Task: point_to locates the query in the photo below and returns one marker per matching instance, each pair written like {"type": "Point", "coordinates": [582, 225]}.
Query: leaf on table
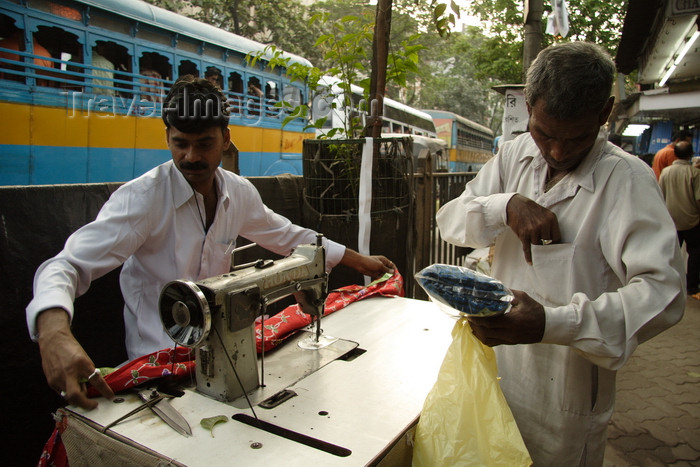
{"type": "Point", "coordinates": [209, 422]}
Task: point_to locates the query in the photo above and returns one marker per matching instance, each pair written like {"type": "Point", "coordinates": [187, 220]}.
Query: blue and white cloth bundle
{"type": "Point", "coordinates": [464, 291]}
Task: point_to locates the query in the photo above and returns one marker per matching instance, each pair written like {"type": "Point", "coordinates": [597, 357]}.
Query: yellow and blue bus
{"type": "Point", "coordinates": [470, 144]}
{"type": "Point", "coordinates": [81, 85]}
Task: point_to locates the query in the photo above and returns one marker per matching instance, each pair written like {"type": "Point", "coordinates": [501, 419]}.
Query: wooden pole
{"type": "Point", "coordinates": [380, 53]}
{"type": "Point", "coordinates": [533, 33]}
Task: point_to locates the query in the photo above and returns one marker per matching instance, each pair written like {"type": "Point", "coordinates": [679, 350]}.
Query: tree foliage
{"type": "Point", "coordinates": [282, 23]}
{"type": "Point", "coordinates": [429, 67]}
{"type": "Point", "coordinates": [451, 82]}
{"type": "Point", "coordinates": [501, 54]}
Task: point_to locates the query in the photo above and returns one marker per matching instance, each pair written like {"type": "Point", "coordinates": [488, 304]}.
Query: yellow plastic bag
{"type": "Point", "coordinates": [465, 419]}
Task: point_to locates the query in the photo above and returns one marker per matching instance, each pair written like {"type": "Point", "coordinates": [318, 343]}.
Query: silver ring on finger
{"type": "Point", "coordinates": [93, 374]}
{"type": "Point", "coordinates": [63, 394]}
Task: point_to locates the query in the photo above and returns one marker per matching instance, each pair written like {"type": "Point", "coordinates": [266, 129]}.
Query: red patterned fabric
{"type": "Point", "coordinates": [279, 327]}
{"type": "Point", "coordinates": [179, 361]}
{"type": "Point", "coordinates": [54, 453]}
{"type": "Point", "coordinates": [176, 362]}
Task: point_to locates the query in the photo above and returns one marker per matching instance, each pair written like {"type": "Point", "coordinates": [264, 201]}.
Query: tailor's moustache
{"type": "Point", "coordinates": [193, 165]}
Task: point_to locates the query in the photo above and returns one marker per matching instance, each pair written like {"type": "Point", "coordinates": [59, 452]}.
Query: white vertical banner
{"type": "Point", "coordinates": [365, 200]}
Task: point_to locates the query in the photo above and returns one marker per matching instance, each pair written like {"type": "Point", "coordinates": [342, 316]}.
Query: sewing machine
{"type": "Point", "coordinates": [216, 316]}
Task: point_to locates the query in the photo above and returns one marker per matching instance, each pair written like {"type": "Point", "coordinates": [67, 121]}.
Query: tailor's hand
{"type": "Point", "coordinates": [523, 324]}
{"type": "Point", "coordinates": [64, 361]}
{"type": "Point", "coordinates": [532, 223]}
{"type": "Point", "coordinates": [372, 266]}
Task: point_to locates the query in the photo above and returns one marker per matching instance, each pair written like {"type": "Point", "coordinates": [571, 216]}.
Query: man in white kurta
{"type": "Point", "coordinates": [601, 276]}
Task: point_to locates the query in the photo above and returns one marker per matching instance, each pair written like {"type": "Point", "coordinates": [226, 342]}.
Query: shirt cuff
{"type": "Point", "coordinates": [496, 204]}
{"type": "Point", "coordinates": [43, 303]}
{"type": "Point", "coordinates": [334, 253]}
{"type": "Point", "coordinates": [559, 325]}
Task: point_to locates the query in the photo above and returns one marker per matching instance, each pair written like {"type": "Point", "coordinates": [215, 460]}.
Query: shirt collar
{"type": "Point", "coordinates": [583, 174]}
{"type": "Point", "coordinates": [681, 162]}
{"type": "Point", "coordinates": [222, 188]}
{"type": "Point", "coordinates": [182, 190]}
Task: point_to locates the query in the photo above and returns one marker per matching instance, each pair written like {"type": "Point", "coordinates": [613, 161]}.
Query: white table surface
{"type": "Point", "coordinates": [362, 405]}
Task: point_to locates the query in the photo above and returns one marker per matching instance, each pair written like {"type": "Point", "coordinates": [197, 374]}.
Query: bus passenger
{"type": "Point", "coordinates": [174, 222]}
{"type": "Point", "coordinates": [102, 77]}
{"type": "Point", "coordinates": [151, 87]}
{"type": "Point", "coordinates": [213, 75]}
{"type": "Point", "coordinates": [15, 41]}
{"type": "Point", "coordinates": [253, 90]}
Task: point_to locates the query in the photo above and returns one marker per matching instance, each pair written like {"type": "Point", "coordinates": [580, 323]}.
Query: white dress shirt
{"type": "Point", "coordinates": [615, 280]}
{"type": "Point", "coordinates": [154, 226]}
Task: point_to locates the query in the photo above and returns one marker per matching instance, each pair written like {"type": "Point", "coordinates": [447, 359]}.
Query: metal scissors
{"type": "Point", "coordinates": [158, 403]}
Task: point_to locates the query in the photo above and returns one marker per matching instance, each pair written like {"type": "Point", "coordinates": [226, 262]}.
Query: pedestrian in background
{"type": "Point", "coordinates": [680, 184]}
{"type": "Point", "coordinates": [666, 155]}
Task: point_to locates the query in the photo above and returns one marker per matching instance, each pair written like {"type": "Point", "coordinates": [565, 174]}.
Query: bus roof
{"type": "Point", "coordinates": [433, 144]}
{"type": "Point", "coordinates": [459, 118]}
{"type": "Point", "coordinates": [141, 11]}
{"type": "Point", "coordinates": [334, 81]}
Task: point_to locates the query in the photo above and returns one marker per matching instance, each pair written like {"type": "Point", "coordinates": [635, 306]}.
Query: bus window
{"type": "Point", "coordinates": [271, 90]}
{"type": "Point", "coordinates": [213, 75]}
{"type": "Point", "coordinates": [255, 96]}
{"type": "Point", "coordinates": [235, 92]}
{"type": "Point", "coordinates": [102, 70]}
{"type": "Point", "coordinates": [154, 68]}
{"type": "Point", "coordinates": [66, 46]}
{"type": "Point", "coordinates": [187, 67]}
{"type": "Point", "coordinates": [235, 83]}
{"type": "Point", "coordinates": [117, 56]}
{"type": "Point", "coordinates": [295, 97]}
{"type": "Point", "coordinates": [271, 98]}
{"type": "Point", "coordinates": [11, 38]}
{"type": "Point", "coordinates": [254, 88]}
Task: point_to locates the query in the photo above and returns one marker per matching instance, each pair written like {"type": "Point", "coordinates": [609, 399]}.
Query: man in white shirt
{"type": "Point", "coordinates": [178, 221]}
{"type": "Point", "coordinates": [103, 73]}
{"type": "Point", "coordinates": [680, 185]}
{"type": "Point", "coordinates": [583, 238]}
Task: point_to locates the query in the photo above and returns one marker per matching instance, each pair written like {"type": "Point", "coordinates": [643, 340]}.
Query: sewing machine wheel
{"type": "Point", "coordinates": [184, 312]}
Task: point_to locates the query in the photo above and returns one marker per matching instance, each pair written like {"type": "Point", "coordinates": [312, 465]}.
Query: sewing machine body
{"type": "Point", "coordinates": [217, 315]}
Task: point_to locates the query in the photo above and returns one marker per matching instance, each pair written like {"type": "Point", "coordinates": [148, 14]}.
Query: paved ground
{"type": "Point", "coordinates": [657, 414]}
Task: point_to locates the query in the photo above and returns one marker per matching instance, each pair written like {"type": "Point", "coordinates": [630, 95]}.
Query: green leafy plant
{"type": "Point", "coordinates": [347, 46]}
